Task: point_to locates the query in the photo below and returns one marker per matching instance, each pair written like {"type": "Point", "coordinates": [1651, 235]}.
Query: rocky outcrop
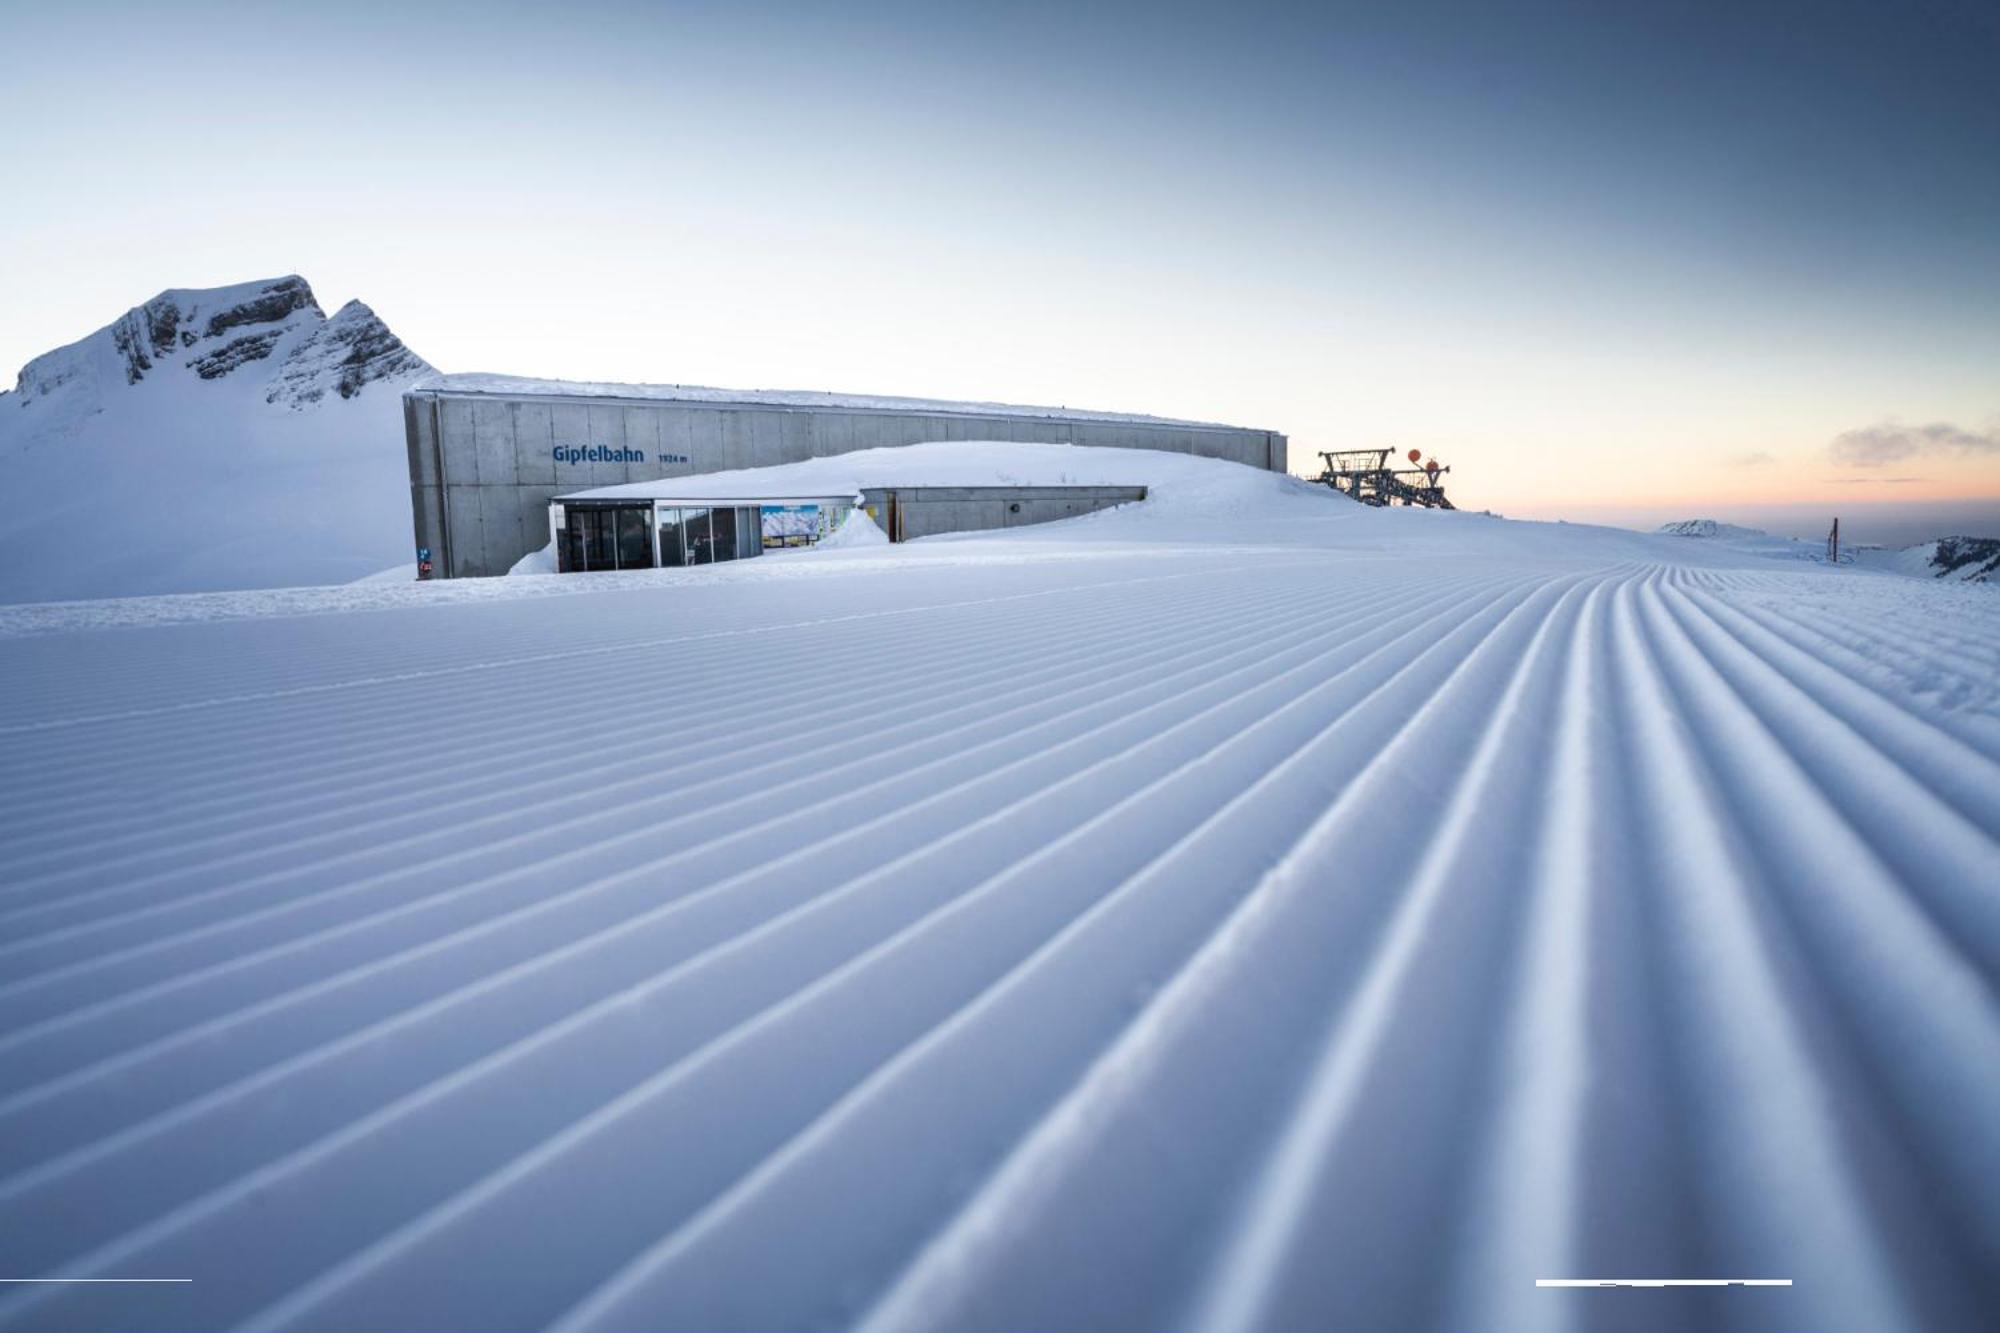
{"type": "Point", "coordinates": [1969, 559]}
{"type": "Point", "coordinates": [145, 332]}
{"type": "Point", "coordinates": [173, 320]}
{"type": "Point", "coordinates": [343, 356]}
{"type": "Point", "coordinates": [273, 303]}
{"type": "Point", "coordinates": [213, 365]}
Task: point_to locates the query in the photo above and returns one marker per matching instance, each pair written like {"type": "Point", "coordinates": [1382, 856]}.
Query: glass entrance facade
{"type": "Point", "coordinates": [603, 535]}
{"type": "Point", "coordinates": [702, 535]}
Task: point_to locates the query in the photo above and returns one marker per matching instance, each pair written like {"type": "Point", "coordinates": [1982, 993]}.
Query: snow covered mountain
{"type": "Point", "coordinates": [1708, 527]}
{"type": "Point", "coordinates": [1954, 559]}
{"type": "Point", "coordinates": [230, 437]}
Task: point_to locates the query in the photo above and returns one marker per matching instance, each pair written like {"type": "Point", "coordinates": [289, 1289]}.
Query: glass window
{"type": "Point", "coordinates": [749, 532]}
{"type": "Point", "coordinates": [599, 539]}
{"type": "Point", "coordinates": [635, 542]}
{"type": "Point", "coordinates": [569, 544]}
{"type": "Point", "coordinates": [670, 539]}
{"type": "Point", "coordinates": [724, 533]}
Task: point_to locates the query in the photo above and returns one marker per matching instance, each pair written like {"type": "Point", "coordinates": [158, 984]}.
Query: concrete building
{"type": "Point", "coordinates": [489, 453]}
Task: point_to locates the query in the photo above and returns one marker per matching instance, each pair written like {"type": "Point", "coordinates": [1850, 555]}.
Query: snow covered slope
{"type": "Point", "coordinates": [233, 437]}
{"type": "Point", "coordinates": [1242, 910]}
{"type": "Point", "coordinates": [1953, 559]}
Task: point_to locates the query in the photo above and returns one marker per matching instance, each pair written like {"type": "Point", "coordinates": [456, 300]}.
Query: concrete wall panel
{"type": "Point", "coordinates": [419, 442]}
{"type": "Point", "coordinates": [466, 540]}
{"type": "Point", "coordinates": [767, 438]}
{"type": "Point", "coordinates": [833, 433]}
{"type": "Point", "coordinates": [426, 524]}
{"type": "Point", "coordinates": [705, 449]}
{"type": "Point", "coordinates": [461, 460]}
{"type": "Point", "coordinates": [676, 443]}
{"type": "Point", "coordinates": [795, 437]}
{"type": "Point", "coordinates": [932, 510]}
{"type": "Point", "coordinates": [494, 458]}
{"type": "Point", "coordinates": [534, 444]}
{"type": "Point", "coordinates": [569, 427]}
{"type": "Point", "coordinates": [642, 432]}
{"type": "Point", "coordinates": [607, 431]}
{"type": "Point", "coordinates": [737, 446]}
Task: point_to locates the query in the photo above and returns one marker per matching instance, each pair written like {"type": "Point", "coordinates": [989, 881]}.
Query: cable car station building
{"type": "Point", "coordinates": [489, 454]}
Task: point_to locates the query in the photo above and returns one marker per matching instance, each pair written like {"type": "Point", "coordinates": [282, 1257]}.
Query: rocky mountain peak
{"type": "Point", "coordinates": [178, 320]}
{"type": "Point", "coordinates": [272, 331]}
{"type": "Point", "coordinates": [344, 355]}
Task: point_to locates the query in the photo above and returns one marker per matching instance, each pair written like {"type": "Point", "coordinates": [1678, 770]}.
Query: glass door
{"type": "Point", "coordinates": [635, 540]}
{"type": "Point", "coordinates": [700, 542]}
{"type": "Point", "coordinates": [671, 552]}
{"type": "Point", "coordinates": [722, 533]}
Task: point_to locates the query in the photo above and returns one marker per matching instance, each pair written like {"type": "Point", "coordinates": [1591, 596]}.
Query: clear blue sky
{"type": "Point", "coordinates": [1591, 254]}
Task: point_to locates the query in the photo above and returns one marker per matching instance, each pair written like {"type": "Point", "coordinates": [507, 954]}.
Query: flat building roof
{"type": "Point", "coordinates": [516, 386]}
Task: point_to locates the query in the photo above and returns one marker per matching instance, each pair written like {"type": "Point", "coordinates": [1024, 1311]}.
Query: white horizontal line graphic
{"type": "Point", "coordinates": [1663, 1281]}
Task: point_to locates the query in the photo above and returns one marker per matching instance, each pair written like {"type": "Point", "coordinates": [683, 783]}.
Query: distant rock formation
{"type": "Point", "coordinates": [1967, 559]}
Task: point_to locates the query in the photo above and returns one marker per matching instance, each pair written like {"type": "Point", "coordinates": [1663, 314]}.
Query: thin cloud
{"type": "Point", "coordinates": [1874, 481]}
{"type": "Point", "coordinates": [1890, 441]}
{"type": "Point", "coordinates": [1755, 458]}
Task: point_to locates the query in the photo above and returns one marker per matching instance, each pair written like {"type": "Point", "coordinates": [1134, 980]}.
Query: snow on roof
{"type": "Point", "coordinates": [954, 463]}
{"type": "Point", "coordinates": [516, 385]}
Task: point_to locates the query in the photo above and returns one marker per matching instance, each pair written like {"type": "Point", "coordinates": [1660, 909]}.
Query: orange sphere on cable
{"type": "Point", "coordinates": [1415, 454]}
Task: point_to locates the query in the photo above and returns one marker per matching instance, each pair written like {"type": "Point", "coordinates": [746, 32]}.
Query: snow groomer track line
{"type": "Point", "coordinates": [1241, 910]}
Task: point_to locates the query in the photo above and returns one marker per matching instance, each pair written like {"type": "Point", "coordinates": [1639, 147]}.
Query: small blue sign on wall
{"type": "Point", "coordinates": [423, 553]}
